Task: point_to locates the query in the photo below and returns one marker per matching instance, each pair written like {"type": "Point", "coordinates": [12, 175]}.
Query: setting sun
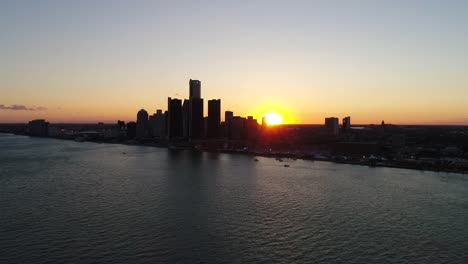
{"type": "Point", "coordinates": [273, 118]}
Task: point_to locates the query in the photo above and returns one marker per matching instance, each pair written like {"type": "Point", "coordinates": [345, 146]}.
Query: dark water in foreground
{"type": "Point", "coordinates": [68, 202]}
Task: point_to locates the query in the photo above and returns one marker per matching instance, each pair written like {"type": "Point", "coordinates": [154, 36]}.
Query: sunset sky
{"type": "Point", "coordinates": [405, 62]}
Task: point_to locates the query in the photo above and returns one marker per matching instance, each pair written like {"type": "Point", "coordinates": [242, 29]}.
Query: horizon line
{"type": "Point", "coordinates": [284, 124]}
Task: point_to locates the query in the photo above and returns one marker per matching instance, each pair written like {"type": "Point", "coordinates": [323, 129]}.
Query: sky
{"type": "Point", "coordinates": [405, 62]}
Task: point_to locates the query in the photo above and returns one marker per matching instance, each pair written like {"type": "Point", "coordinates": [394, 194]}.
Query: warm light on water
{"type": "Point", "coordinates": [68, 202]}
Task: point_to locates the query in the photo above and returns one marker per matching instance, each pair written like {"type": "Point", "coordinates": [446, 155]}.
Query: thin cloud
{"type": "Point", "coordinates": [22, 108]}
{"type": "Point", "coordinates": [40, 108]}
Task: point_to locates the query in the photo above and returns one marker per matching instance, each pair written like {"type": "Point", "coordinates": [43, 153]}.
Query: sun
{"type": "Point", "coordinates": [273, 118]}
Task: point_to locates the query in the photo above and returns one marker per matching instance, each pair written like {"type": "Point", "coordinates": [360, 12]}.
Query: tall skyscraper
{"type": "Point", "coordinates": [166, 122]}
{"type": "Point", "coordinates": [228, 115]}
{"type": "Point", "coordinates": [174, 118]}
{"type": "Point", "coordinates": [196, 127]}
{"type": "Point", "coordinates": [151, 124]}
{"type": "Point", "coordinates": [214, 118]}
{"type": "Point", "coordinates": [346, 124]}
{"type": "Point", "coordinates": [195, 89]}
{"type": "Point", "coordinates": [186, 118]}
{"type": "Point", "coordinates": [331, 125]}
{"type": "Point", "coordinates": [142, 127]}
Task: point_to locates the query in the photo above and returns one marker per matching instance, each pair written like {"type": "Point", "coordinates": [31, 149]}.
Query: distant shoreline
{"type": "Point", "coordinates": [277, 155]}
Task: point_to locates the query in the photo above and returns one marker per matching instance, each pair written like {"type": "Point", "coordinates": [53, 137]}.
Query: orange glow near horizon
{"type": "Point", "coordinates": [136, 55]}
{"type": "Point", "coordinates": [293, 109]}
{"type": "Point", "coordinates": [273, 118]}
{"type": "Point", "coordinates": [91, 112]}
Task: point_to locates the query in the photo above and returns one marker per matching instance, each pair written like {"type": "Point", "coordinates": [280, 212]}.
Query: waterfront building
{"type": "Point", "coordinates": [228, 115]}
{"type": "Point", "coordinates": [346, 124]}
{"type": "Point", "coordinates": [131, 130]}
{"type": "Point", "coordinates": [121, 125]}
{"type": "Point", "coordinates": [331, 126]}
{"type": "Point", "coordinates": [237, 128]}
{"type": "Point", "coordinates": [174, 118]}
{"type": "Point", "coordinates": [186, 118]}
{"type": "Point", "coordinates": [251, 128]}
{"type": "Point", "coordinates": [38, 127]}
{"type": "Point", "coordinates": [205, 126]}
{"type": "Point", "coordinates": [158, 124]}
{"type": "Point", "coordinates": [142, 127]}
{"type": "Point", "coordinates": [214, 118]}
{"type": "Point", "coordinates": [196, 127]}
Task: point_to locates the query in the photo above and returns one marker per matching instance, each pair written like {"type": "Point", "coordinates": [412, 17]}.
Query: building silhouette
{"type": "Point", "coordinates": [214, 118]}
{"type": "Point", "coordinates": [38, 127]}
{"type": "Point", "coordinates": [251, 128]}
{"type": "Point", "coordinates": [187, 121]}
{"type": "Point", "coordinates": [237, 128]}
{"type": "Point", "coordinates": [186, 118]}
{"type": "Point", "coordinates": [120, 125]}
{"type": "Point", "coordinates": [331, 126]}
{"type": "Point", "coordinates": [205, 127]}
{"type": "Point", "coordinates": [228, 115]}
{"type": "Point", "coordinates": [151, 125]}
{"type": "Point", "coordinates": [195, 89]}
{"type": "Point", "coordinates": [166, 121]}
{"type": "Point", "coordinates": [174, 118]}
{"type": "Point", "coordinates": [131, 130]}
{"type": "Point", "coordinates": [196, 123]}
{"type": "Point", "coordinates": [158, 124]}
{"type": "Point", "coordinates": [346, 124]}
{"type": "Point", "coordinates": [142, 124]}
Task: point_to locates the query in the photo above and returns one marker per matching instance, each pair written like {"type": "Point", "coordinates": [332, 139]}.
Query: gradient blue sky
{"type": "Point", "coordinates": [398, 61]}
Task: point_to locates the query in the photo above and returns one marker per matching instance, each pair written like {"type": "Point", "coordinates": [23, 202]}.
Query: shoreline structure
{"type": "Point", "coordinates": [277, 155]}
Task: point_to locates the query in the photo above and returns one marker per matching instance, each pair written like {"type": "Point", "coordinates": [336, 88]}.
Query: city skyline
{"type": "Point", "coordinates": [401, 62]}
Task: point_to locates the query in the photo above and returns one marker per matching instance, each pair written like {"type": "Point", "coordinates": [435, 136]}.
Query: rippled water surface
{"type": "Point", "coordinates": [69, 202]}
